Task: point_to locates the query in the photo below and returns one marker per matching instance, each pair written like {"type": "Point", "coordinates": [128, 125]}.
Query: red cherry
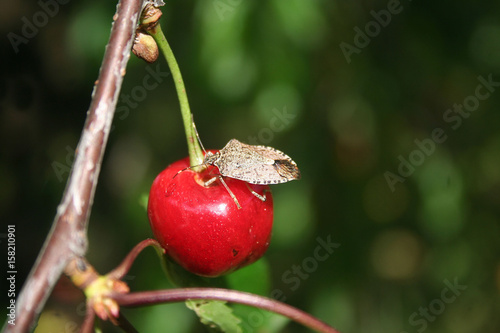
{"type": "Point", "coordinates": [201, 227]}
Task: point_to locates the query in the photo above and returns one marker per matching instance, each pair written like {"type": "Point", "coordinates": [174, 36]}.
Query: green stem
{"type": "Point", "coordinates": [195, 151]}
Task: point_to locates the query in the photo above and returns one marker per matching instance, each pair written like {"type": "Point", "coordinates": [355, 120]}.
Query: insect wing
{"type": "Point", "coordinates": [256, 174]}
{"type": "Point", "coordinates": [271, 153]}
{"type": "Point", "coordinates": [256, 164]}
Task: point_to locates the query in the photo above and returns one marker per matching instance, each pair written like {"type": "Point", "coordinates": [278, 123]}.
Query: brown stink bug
{"type": "Point", "coordinates": [253, 164]}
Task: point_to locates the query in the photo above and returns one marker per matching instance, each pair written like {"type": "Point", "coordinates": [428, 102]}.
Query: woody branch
{"type": "Point", "coordinates": [67, 239]}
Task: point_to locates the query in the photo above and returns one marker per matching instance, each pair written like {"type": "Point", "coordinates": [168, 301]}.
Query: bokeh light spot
{"type": "Point", "coordinates": [397, 254]}
{"type": "Point", "coordinates": [381, 204]}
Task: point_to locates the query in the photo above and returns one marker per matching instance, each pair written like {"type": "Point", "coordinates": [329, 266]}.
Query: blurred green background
{"type": "Point", "coordinates": [274, 73]}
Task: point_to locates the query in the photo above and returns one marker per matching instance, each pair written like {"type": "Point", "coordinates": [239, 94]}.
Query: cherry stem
{"type": "Point", "coordinates": [122, 269]}
{"type": "Point", "coordinates": [195, 151]}
{"type": "Point", "coordinates": [183, 294]}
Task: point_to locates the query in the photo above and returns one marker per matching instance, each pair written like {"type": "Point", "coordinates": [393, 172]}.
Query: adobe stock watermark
{"type": "Point", "coordinates": [420, 319]}
{"type": "Point", "coordinates": [454, 118]}
{"type": "Point", "coordinates": [31, 27]}
{"type": "Point", "coordinates": [279, 121]}
{"type": "Point", "coordinates": [11, 275]}
{"type": "Point", "coordinates": [293, 278]}
{"type": "Point", "coordinates": [225, 8]}
{"type": "Point", "coordinates": [127, 101]}
{"type": "Point", "coordinates": [137, 94]}
{"type": "Point", "coordinates": [372, 29]}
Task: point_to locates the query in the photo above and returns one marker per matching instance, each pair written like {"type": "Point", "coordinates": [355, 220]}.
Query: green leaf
{"type": "Point", "coordinates": [255, 279]}
{"type": "Point", "coordinates": [181, 278]}
{"type": "Point", "coordinates": [216, 315]}
{"type": "Point", "coordinates": [143, 201]}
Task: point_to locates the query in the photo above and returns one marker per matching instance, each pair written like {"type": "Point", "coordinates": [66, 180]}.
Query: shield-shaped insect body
{"type": "Point", "coordinates": [253, 164]}
{"type": "Point", "coordinates": [260, 165]}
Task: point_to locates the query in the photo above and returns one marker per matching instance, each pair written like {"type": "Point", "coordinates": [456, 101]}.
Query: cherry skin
{"type": "Point", "coordinates": [201, 228]}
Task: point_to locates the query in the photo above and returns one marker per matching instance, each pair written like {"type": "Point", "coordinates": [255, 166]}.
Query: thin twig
{"type": "Point", "coordinates": [88, 322]}
{"type": "Point", "coordinates": [122, 269]}
{"type": "Point", "coordinates": [183, 294]}
{"type": "Point", "coordinates": [68, 236]}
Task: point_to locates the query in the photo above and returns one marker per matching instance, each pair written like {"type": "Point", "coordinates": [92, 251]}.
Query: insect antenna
{"type": "Point", "coordinates": [197, 135]}
{"type": "Point", "coordinates": [189, 167]}
{"type": "Point", "coordinates": [201, 144]}
{"type": "Point", "coordinates": [218, 177]}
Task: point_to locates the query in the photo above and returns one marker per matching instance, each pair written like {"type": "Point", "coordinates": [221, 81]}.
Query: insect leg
{"type": "Point", "coordinates": [261, 197]}
{"type": "Point", "coordinates": [230, 192]}
{"type": "Point", "coordinates": [210, 181]}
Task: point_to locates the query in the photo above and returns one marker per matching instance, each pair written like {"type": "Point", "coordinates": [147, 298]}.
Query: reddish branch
{"type": "Point", "coordinates": [183, 294]}
{"type": "Point", "coordinates": [122, 269]}
{"type": "Point", "coordinates": [68, 237]}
